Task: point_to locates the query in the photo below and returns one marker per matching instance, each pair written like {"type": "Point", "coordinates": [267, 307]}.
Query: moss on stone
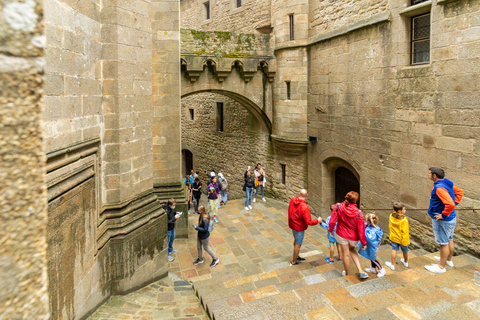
{"type": "Point", "coordinates": [223, 36]}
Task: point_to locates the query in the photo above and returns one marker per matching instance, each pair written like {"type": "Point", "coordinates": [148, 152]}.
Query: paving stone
{"type": "Point", "coordinates": [378, 314]}
{"type": "Point", "coordinates": [375, 285]}
{"type": "Point", "coordinates": [314, 278]}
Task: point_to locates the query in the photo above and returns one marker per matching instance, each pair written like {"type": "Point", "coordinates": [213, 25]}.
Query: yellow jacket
{"type": "Point", "coordinates": [399, 232]}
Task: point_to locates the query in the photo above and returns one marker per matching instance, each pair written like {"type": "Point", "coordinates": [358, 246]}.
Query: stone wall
{"type": "Point", "coordinates": [391, 121]}
{"type": "Point", "coordinates": [225, 43]}
{"type": "Point", "coordinates": [328, 15]}
{"type": "Point", "coordinates": [106, 229]}
{"type": "Point", "coordinates": [241, 144]}
{"type": "Point", "coordinates": [225, 16]}
{"type": "Point", "coordinates": [23, 214]}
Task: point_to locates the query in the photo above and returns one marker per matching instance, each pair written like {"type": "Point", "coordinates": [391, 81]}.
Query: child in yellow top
{"type": "Point", "coordinates": [399, 234]}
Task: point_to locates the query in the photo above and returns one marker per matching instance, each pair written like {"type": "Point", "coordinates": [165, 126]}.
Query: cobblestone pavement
{"type": "Point", "coordinates": [254, 248]}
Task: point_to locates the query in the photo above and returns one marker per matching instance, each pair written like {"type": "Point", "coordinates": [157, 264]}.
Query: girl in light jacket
{"type": "Point", "coordinates": [374, 235]}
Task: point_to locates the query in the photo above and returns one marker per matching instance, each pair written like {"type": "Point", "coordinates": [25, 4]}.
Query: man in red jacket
{"type": "Point", "coordinates": [299, 219]}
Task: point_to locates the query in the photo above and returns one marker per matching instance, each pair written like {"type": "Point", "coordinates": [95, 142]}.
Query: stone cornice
{"type": "Point", "coordinates": [364, 23]}
{"type": "Point", "coordinates": [417, 9]}
{"type": "Point", "coordinates": [223, 66]}
{"type": "Point", "coordinates": [290, 146]}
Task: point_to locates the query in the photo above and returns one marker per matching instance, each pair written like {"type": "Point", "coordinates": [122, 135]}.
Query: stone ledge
{"type": "Point", "coordinates": [417, 9]}
{"type": "Point", "coordinates": [373, 20]}
{"type": "Point", "coordinates": [127, 216]}
{"type": "Point", "coordinates": [290, 146]}
{"type": "Point", "coordinates": [445, 1]}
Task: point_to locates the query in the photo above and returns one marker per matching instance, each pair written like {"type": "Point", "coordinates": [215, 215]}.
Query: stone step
{"type": "Point", "coordinates": [292, 291]}
{"type": "Point", "coordinates": [251, 273]}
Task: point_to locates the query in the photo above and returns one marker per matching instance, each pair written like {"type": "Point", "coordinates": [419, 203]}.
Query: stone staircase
{"type": "Point", "coordinates": [317, 290]}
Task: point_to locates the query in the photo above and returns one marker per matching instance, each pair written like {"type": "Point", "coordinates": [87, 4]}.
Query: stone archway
{"type": "Point", "coordinates": [338, 178]}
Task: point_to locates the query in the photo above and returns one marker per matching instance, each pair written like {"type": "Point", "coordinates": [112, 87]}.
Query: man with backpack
{"type": "Point", "coordinates": [222, 182]}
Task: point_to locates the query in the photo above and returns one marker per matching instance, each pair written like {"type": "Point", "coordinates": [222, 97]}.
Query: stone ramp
{"type": "Point", "coordinates": [316, 290]}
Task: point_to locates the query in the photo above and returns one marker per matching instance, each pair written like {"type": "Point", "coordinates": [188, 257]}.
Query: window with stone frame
{"type": "Point", "coordinates": [220, 118]}
{"type": "Point", "coordinates": [288, 90]}
{"type": "Point", "coordinates": [239, 3]}
{"type": "Point", "coordinates": [420, 43]}
{"type": "Point", "coordinates": [206, 5]}
{"type": "Point", "coordinates": [284, 169]}
{"type": "Point", "coordinates": [191, 114]}
{"type": "Point", "coordinates": [291, 26]}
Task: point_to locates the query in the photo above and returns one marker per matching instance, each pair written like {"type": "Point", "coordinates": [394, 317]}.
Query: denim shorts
{"type": "Point", "coordinates": [397, 246]}
{"type": "Point", "coordinates": [331, 243]}
{"type": "Point", "coordinates": [443, 230]}
{"type": "Point", "coordinates": [298, 235]}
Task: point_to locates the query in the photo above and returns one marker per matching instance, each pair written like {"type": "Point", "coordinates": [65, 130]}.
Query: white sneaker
{"type": "Point", "coordinates": [344, 274]}
{"type": "Point", "coordinates": [250, 207]}
{"type": "Point", "coordinates": [390, 265]}
{"type": "Point", "coordinates": [254, 200]}
{"type": "Point", "coordinates": [381, 273]}
{"type": "Point", "coordinates": [435, 269]}
{"type": "Point", "coordinates": [170, 258]}
{"type": "Point", "coordinates": [174, 251]}
{"type": "Point", "coordinates": [371, 270]}
{"type": "Point", "coordinates": [405, 264]}
{"type": "Point", "coordinates": [264, 199]}
{"type": "Point", "coordinates": [449, 263]}
{"type": "Point", "coordinates": [246, 208]}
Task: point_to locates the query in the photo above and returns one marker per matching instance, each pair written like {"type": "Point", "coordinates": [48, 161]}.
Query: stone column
{"type": "Point", "coordinates": [167, 175]}
{"type": "Point", "coordinates": [23, 199]}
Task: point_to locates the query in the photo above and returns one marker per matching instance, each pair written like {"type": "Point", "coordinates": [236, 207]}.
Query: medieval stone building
{"type": "Point", "coordinates": [106, 104]}
{"type": "Point", "coordinates": [354, 95]}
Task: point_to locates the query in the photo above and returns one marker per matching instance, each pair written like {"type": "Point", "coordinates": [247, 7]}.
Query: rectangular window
{"type": "Point", "coordinates": [421, 39]}
{"type": "Point", "coordinates": [290, 21]}
{"type": "Point", "coordinates": [220, 116]}
{"type": "Point", "coordinates": [239, 3]}
{"type": "Point", "coordinates": [191, 114]}
{"type": "Point", "coordinates": [288, 89]}
{"type": "Point", "coordinates": [207, 9]}
{"type": "Point", "coordinates": [283, 173]}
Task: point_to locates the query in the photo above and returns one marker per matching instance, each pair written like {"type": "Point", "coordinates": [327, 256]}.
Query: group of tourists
{"type": "Point", "coordinates": [348, 227]}
{"type": "Point", "coordinates": [254, 183]}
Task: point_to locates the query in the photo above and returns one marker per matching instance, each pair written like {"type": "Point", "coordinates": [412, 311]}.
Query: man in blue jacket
{"type": "Point", "coordinates": [443, 199]}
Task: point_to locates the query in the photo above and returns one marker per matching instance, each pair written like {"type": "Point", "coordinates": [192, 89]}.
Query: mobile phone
{"type": "Point", "coordinates": [193, 225]}
{"type": "Point", "coordinates": [180, 213]}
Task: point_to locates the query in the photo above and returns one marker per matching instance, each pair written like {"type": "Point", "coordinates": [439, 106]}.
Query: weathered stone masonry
{"type": "Point", "coordinates": [353, 87]}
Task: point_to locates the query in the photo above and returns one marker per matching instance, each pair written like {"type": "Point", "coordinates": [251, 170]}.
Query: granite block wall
{"type": "Point", "coordinates": [391, 120]}
{"type": "Point", "coordinates": [23, 196]}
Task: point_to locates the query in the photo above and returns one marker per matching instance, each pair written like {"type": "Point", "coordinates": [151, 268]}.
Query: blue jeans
{"type": "Point", "coordinates": [298, 235]}
{"type": "Point", "coordinates": [397, 246]}
{"type": "Point", "coordinates": [195, 203]}
{"type": "Point", "coordinates": [248, 200]}
{"type": "Point", "coordinates": [259, 187]}
{"type": "Point", "coordinates": [223, 194]}
{"type": "Point", "coordinates": [443, 230]}
{"type": "Point", "coordinates": [171, 237]}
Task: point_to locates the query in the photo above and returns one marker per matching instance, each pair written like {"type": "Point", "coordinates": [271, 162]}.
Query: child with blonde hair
{"type": "Point", "coordinates": [374, 235]}
{"type": "Point", "coordinates": [331, 240]}
{"type": "Point", "coordinates": [399, 234]}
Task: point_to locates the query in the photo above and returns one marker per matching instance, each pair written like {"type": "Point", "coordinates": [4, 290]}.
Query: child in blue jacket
{"type": "Point", "coordinates": [373, 234]}
{"type": "Point", "coordinates": [331, 240]}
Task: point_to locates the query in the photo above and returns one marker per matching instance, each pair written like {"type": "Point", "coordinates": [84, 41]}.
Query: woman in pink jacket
{"type": "Point", "coordinates": [350, 230]}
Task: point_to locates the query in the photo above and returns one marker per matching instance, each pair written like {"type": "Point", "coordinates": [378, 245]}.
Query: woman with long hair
{"type": "Point", "coordinates": [203, 237]}
{"type": "Point", "coordinates": [350, 230]}
{"type": "Point", "coordinates": [249, 187]}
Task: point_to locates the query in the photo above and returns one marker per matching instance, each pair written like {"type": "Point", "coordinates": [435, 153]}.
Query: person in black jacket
{"type": "Point", "coordinates": [203, 237]}
{"type": "Point", "coordinates": [197, 192]}
{"type": "Point", "coordinates": [249, 189]}
{"type": "Point", "coordinates": [172, 217]}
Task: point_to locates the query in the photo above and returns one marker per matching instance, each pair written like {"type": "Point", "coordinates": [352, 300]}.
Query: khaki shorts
{"type": "Point", "coordinates": [344, 241]}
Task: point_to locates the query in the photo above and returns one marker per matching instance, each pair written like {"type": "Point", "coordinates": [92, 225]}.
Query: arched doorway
{"type": "Point", "coordinates": [345, 181]}
{"type": "Point", "coordinates": [187, 161]}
